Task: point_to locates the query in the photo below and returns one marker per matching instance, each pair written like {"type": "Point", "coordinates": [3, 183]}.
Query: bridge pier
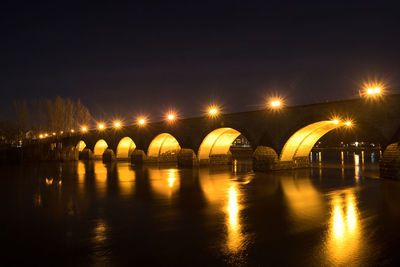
{"type": "Point", "coordinates": [187, 158]}
{"type": "Point", "coordinates": [86, 154]}
{"type": "Point", "coordinates": [264, 159]}
{"type": "Point", "coordinates": [138, 157]}
{"type": "Point", "coordinates": [221, 159]}
{"type": "Point", "coordinates": [389, 165]}
{"type": "Point", "coordinates": [108, 155]}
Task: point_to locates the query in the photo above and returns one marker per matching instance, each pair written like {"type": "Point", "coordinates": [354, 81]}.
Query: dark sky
{"type": "Point", "coordinates": [146, 57]}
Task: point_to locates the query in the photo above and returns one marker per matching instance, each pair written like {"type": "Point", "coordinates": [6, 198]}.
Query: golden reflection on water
{"type": "Point", "coordinates": [81, 171]}
{"type": "Point", "coordinates": [304, 201]}
{"type": "Point", "coordinates": [164, 182]}
{"type": "Point", "coordinates": [126, 178]}
{"type": "Point", "coordinates": [357, 166]}
{"type": "Point", "coordinates": [223, 192]}
{"type": "Point", "coordinates": [343, 241]}
{"type": "Point", "coordinates": [235, 237]}
{"type": "Point", "coordinates": [100, 239]}
{"type": "Point", "coordinates": [100, 171]}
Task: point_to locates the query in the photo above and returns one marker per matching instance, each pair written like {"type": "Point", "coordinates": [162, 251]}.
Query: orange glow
{"type": "Point", "coordinates": [213, 111]}
{"type": "Point", "coordinates": [302, 141]}
{"type": "Point", "coordinates": [142, 121]}
{"type": "Point", "coordinates": [117, 124]}
{"type": "Point", "coordinates": [72, 130]}
{"type": "Point", "coordinates": [217, 142]}
{"type": "Point", "coordinates": [348, 123]}
{"type": "Point", "coordinates": [373, 89]}
{"type": "Point", "coordinates": [41, 136]}
{"type": "Point", "coordinates": [163, 143]}
{"type": "Point", "coordinates": [84, 129]}
{"type": "Point", "coordinates": [171, 117]}
{"type": "Point", "coordinates": [54, 133]}
{"type": "Point", "coordinates": [45, 135]}
{"type": "Point", "coordinates": [125, 148]}
{"type": "Point", "coordinates": [101, 126]}
{"type": "Point", "coordinates": [275, 103]}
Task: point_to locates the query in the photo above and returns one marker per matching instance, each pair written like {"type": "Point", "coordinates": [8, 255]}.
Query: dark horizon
{"type": "Point", "coordinates": [147, 58]}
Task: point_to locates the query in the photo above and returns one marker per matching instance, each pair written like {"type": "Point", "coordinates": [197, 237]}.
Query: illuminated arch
{"type": "Point", "coordinates": [80, 146]}
{"type": "Point", "coordinates": [161, 144]}
{"type": "Point", "coordinates": [99, 148]}
{"type": "Point", "coordinates": [302, 141]}
{"type": "Point", "coordinates": [217, 142]}
{"type": "Point", "coordinates": [125, 148]}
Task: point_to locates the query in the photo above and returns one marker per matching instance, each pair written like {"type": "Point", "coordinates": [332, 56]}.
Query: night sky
{"type": "Point", "coordinates": [122, 60]}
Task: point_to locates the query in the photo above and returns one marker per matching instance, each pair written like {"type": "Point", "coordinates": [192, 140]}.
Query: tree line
{"type": "Point", "coordinates": [48, 115]}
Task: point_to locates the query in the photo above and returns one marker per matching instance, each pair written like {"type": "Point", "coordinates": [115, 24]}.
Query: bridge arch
{"type": "Point", "coordinates": [99, 148]}
{"type": "Point", "coordinates": [125, 148]}
{"type": "Point", "coordinates": [163, 144]}
{"type": "Point", "coordinates": [80, 146]}
{"type": "Point", "coordinates": [218, 142]}
{"type": "Point", "coordinates": [303, 140]}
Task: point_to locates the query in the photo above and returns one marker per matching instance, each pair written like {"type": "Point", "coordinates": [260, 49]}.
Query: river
{"type": "Point", "coordinates": [339, 212]}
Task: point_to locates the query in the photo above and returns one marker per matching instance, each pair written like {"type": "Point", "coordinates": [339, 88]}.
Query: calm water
{"type": "Point", "coordinates": [114, 214]}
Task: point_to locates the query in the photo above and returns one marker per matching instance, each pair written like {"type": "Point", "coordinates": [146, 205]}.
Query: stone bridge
{"type": "Point", "coordinates": [279, 139]}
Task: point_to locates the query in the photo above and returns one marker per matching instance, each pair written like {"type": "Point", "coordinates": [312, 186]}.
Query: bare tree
{"type": "Point", "coordinates": [82, 115]}
{"type": "Point", "coordinates": [22, 116]}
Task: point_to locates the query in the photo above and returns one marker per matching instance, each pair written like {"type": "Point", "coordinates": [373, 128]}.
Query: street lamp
{"type": "Point", "coordinates": [372, 89]}
{"type": "Point", "coordinates": [84, 129]}
{"type": "Point", "coordinates": [171, 117]}
{"type": "Point", "coordinates": [101, 126]}
{"type": "Point", "coordinates": [275, 103]}
{"type": "Point", "coordinates": [117, 124]}
{"type": "Point", "coordinates": [213, 111]}
{"type": "Point", "coordinates": [141, 121]}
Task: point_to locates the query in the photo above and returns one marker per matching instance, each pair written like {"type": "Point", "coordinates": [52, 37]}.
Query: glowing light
{"type": "Point", "coordinates": [218, 142]}
{"type": "Point", "coordinates": [61, 132]}
{"type": "Point", "coordinates": [171, 117]}
{"type": "Point", "coordinates": [72, 130]}
{"type": "Point", "coordinates": [142, 121]}
{"type": "Point", "coordinates": [99, 148]}
{"type": "Point", "coordinates": [372, 89]}
{"type": "Point", "coordinates": [302, 141]}
{"type": "Point", "coordinates": [54, 133]}
{"type": "Point", "coordinates": [163, 144]}
{"type": "Point", "coordinates": [348, 123]}
{"type": "Point", "coordinates": [117, 124]}
{"type": "Point", "coordinates": [275, 103]}
{"type": "Point", "coordinates": [101, 126]}
{"type": "Point", "coordinates": [84, 129]}
{"type": "Point", "coordinates": [41, 136]}
{"type": "Point", "coordinates": [80, 146]}
{"type": "Point", "coordinates": [213, 111]}
{"type": "Point", "coordinates": [45, 135]}
{"type": "Point", "coordinates": [125, 148]}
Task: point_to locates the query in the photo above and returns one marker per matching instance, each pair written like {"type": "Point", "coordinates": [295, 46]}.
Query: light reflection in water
{"type": "Point", "coordinates": [343, 246]}
{"type": "Point", "coordinates": [100, 241]}
{"type": "Point", "coordinates": [100, 171]}
{"type": "Point", "coordinates": [224, 193]}
{"type": "Point", "coordinates": [357, 166]}
{"type": "Point", "coordinates": [126, 178]}
{"type": "Point", "coordinates": [164, 182]}
{"type": "Point", "coordinates": [81, 171]}
{"type": "Point", "coordinates": [235, 237]}
{"type": "Point", "coordinates": [304, 202]}
{"type": "Point", "coordinates": [342, 157]}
